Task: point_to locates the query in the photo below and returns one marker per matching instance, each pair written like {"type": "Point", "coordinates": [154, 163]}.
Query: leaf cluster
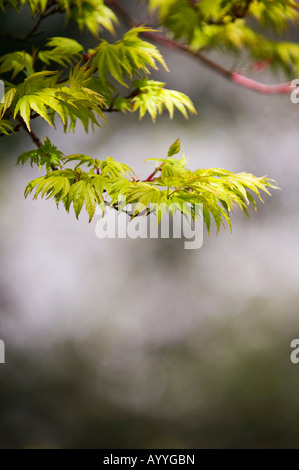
{"type": "Point", "coordinates": [60, 80]}
{"type": "Point", "coordinates": [174, 188]}
{"type": "Point", "coordinates": [234, 26]}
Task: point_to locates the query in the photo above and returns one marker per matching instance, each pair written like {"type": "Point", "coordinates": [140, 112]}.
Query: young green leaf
{"type": "Point", "coordinates": [174, 148]}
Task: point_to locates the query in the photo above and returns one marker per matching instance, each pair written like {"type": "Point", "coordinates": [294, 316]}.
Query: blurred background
{"type": "Point", "coordinates": [140, 343]}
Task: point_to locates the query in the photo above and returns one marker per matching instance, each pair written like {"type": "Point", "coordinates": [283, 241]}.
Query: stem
{"type": "Point", "coordinates": [280, 88]}
{"type": "Point", "coordinates": [119, 10]}
{"type": "Point", "coordinates": [26, 37]}
{"type": "Point", "coordinates": [33, 137]}
{"type": "Point", "coordinates": [20, 124]}
{"type": "Point", "coordinates": [150, 178]}
{"type": "Point", "coordinates": [170, 43]}
{"type": "Point", "coordinates": [11, 36]}
{"type": "Point", "coordinates": [56, 9]}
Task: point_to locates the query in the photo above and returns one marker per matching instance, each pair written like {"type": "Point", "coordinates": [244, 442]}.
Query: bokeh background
{"type": "Point", "coordinates": [140, 343]}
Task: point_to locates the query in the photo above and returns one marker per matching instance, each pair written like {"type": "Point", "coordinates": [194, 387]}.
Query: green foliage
{"type": "Point", "coordinates": [127, 57]}
{"type": "Point", "coordinates": [56, 78]}
{"type": "Point", "coordinates": [46, 155]}
{"type": "Point", "coordinates": [108, 182]}
{"type": "Point", "coordinates": [274, 14]}
{"type": "Point", "coordinates": [151, 96]}
{"type": "Point", "coordinates": [62, 50]}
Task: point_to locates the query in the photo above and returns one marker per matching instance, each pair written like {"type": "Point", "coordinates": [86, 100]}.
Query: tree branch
{"type": "Point", "coordinates": [120, 11]}
{"type": "Point", "coordinates": [56, 9]}
{"type": "Point", "coordinates": [234, 77]}
{"type": "Point", "coordinates": [11, 36]}
{"type": "Point", "coordinates": [21, 124]}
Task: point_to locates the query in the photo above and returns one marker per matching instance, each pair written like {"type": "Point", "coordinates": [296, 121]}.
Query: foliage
{"type": "Point", "coordinates": [56, 78]}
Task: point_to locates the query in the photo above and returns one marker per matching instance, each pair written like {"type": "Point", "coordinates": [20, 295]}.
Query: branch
{"type": "Point", "coordinates": [151, 178]}
{"type": "Point", "coordinates": [33, 29]}
{"type": "Point", "coordinates": [56, 9]}
{"type": "Point", "coordinates": [119, 10]}
{"type": "Point", "coordinates": [11, 36]}
{"type": "Point", "coordinates": [146, 211]}
{"type": "Point", "coordinates": [20, 124]}
{"type": "Point", "coordinates": [276, 89]}
{"type": "Point", "coordinates": [234, 77]}
{"type": "Point", "coordinates": [33, 136]}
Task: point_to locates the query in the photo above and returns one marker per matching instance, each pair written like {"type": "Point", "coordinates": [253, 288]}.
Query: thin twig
{"type": "Point", "coordinates": [119, 10]}
{"type": "Point", "coordinates": [56, 9]}
{"type": "Point", "coordinates": [21, 123]}
{"type": "Point", "coordinates": [150, 178]}
{"type": "Point", "coordinates": [42, 16]}
{"type": "Point", "coordinates": [11, 36]}
{"type": "Point", "coordinates": [33, 136]}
